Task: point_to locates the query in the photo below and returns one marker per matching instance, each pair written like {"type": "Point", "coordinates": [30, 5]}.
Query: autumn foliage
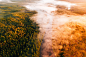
{"type": "Point", "coordinates": [74, 42]}
{"type": "Point", "coordinates": [18, 35]}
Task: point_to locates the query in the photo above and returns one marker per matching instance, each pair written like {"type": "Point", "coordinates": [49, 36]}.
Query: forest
{"type": "Point", "coordinates": [18, 34]}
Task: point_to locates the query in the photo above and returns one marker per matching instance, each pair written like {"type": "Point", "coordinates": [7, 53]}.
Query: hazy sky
{"type": "Point", "coordinates": [48, 0]}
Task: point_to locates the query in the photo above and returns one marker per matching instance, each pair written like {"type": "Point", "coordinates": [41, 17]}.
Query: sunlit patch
{"type": "Point", "coordinates": [69, 38]}
{"type": "Point", "coordinates": [54, 26]}
{"type": "Point", "coordinates": [67, 4]}
{"type": "Point", "coordinates": [47, 1]}
{"type": "Point", "coordinates": [48, 5]}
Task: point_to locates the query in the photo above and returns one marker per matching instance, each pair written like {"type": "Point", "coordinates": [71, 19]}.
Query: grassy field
{"type": "Point", "coordinates": [7, 9]}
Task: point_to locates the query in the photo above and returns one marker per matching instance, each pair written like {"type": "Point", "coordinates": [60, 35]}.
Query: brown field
{"type": "Point", "coordinates": [70, 37]}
